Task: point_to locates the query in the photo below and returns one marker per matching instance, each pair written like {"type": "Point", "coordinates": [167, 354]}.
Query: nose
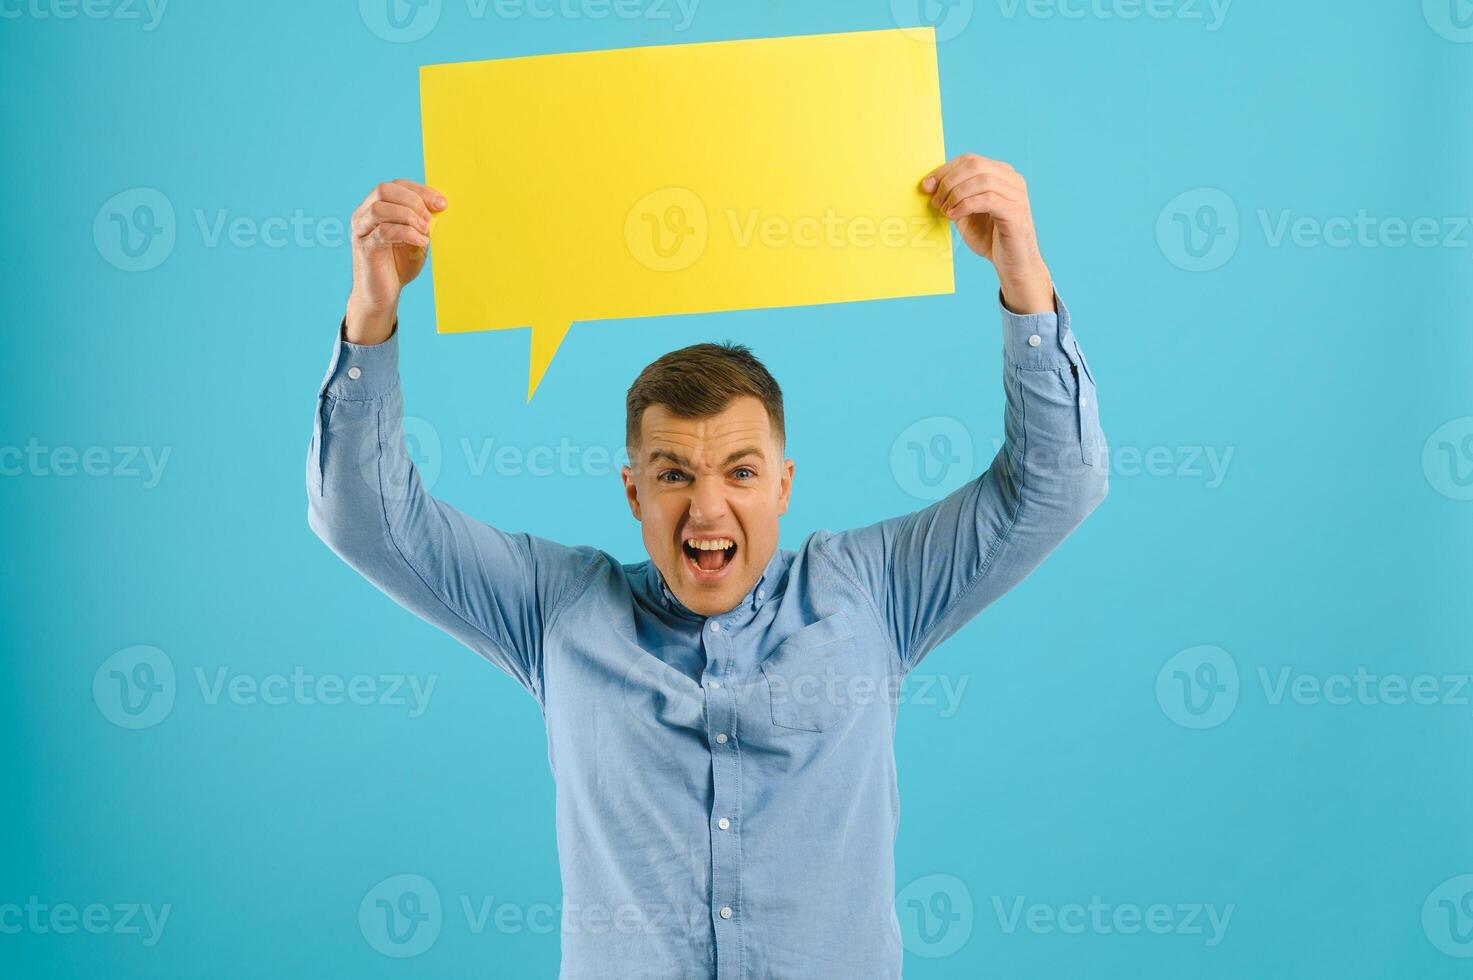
{"type": "Point", "coordinates": [707, 503]}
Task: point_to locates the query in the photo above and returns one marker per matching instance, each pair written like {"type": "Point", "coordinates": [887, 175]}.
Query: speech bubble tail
{"type": "Point", "coordinates": [546, 339]}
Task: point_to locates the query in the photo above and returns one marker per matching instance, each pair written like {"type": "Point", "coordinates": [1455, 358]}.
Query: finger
{"type": "Point", "coordinates": [929, 182]}
{"type": "Point", "coordinates": [381, 212]}
{"type": "Point", "coordinates": [977, 184]}
{"type": "Point", "coordinates": [933, 180]}
{"type": "Point", "coordinates": [432, 198]}
{"type": "Point", "coordinates": [988, 202]}
{"type": "Point", "coordinates": [394, 194]}
{"type": "Point", "coordinates": [986, 163]}
{"type": "Point", "coordinates": [970, 165]}
{"type": "Point", "coordinates": [395, 234]}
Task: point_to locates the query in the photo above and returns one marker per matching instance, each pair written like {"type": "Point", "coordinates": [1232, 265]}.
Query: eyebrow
{"type": "Point", "coordinates": [680, 460]}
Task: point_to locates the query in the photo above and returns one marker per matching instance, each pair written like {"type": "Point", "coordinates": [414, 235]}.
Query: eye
{"type": "Point", "coordinates": [670, 476]}
{"type": "Point", "coordinates": [744, 473]}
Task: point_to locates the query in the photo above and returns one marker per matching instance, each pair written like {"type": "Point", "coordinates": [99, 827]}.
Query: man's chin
{"type": "Point", "coordinates": [706, 593]}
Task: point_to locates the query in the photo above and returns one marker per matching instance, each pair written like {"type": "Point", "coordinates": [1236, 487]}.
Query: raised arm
{"type": "Point", "coordinates": [494, 591]}
{"type": "Point", "coordinates": [929, 572]}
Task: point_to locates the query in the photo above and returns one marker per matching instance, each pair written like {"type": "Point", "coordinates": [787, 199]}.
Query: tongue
{"type": "Point", "coordinates": [710, 561]}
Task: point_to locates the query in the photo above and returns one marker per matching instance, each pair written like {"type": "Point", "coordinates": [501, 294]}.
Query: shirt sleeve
{"type": "Point", "coordinates": [494, 591]}
{"type": "Point", "coordinates": [927, 573]}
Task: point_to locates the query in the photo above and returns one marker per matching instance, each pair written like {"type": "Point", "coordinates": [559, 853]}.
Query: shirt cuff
{"type": "Point", "coordinates": [361, 372]}
{"type": "Point", "coordinates": [1037, 341]}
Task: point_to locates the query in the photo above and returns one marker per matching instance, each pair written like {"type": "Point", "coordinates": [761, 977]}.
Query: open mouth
{"type": "Point", "coordinates": [708, 558]}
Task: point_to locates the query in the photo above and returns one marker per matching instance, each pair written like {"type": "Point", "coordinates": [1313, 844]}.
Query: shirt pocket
{"type": "Point", "coordinates": [806, 676]}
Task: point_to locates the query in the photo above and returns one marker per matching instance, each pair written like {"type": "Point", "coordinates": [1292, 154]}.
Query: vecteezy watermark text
{"type": "Point", "coordinates": [403, 915]}
{"type": "Point", "coordinates": [123, 462]}
{"type": "Point", "coordinates": [405, 21]}
{"type": "Point", "coordinates": [1211, 13]}
{"type": "Point", "coordinates": [1101, 918]}
{"type": "Point", "coordinates": [1200, 687]}
{"type": "Point", "coordinates": [64, 918]}
{"type": "Point", "coordinates": [147, 12]}
{"type": "Point", "coordinates": [1200, 230]}
{"type": "Point", "coordinates": [137, 688]}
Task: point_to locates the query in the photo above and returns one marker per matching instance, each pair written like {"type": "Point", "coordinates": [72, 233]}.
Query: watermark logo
{"type": "Point", "coordinates": [477, 458]}
{"type": "Point", "coordinates": [306, 689]}
{"type": "Point", "coordinates": [1198, 688]}
{"type": "Point", "coordinates": [1199, 230]}
{"type": "Point", "coordinates": [1447, 917]}
{"type": "Point", "coordinates": [932, 457]}
{"type": "Point", "coordinates": [1364, 686]}
{"type": "Point", "coordinates": [831, 229]}
{"type": "Point", "coordinates": [297, 230]}
{"type": "Point", "coordinates": [1104, 918]}
{"type": "Point", "coordinates": [40, 918]}
{"type": "Point", "coordinates": [1363, 229]}
{"type": "Point", "coordinates": [128, 462]}
{"type": "Point", "coordinates": [1451, 19]}
{"type": "Point", "coordinates": [1447, 459]}
{"type": "Point", "coordinates": [1212, 13]}
{"type": "Point", "coordinates": [936, 915]}
{"type": "Point", "coordinates": [948, 18]}
{"type": "Point", "coordinates": [150, 13]}
{"type": "Point", "coordinates": [135, 687]}
{"type": "Point", "coordinates": [659, 696]}
{"type": "Point", "coordinates": [135, 229]}
{"type": "Point", "coordinates": [565, 459]}
{"type": "Point", "coordinates": [403, 21]}
{"type": "Point", "coordinates": [667, 230]}
{"type": "Point", "coordinates": [400, 21]}
{"type": "Point", "coordinates": [400, 916]}
{"type": "Point", "coordinates": [421, 447]}
{"type": "Point", "coordinates": [1206, 464]}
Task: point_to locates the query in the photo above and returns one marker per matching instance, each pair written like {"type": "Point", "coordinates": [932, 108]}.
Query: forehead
{"type": "Point", "coordinates": [744, 420]}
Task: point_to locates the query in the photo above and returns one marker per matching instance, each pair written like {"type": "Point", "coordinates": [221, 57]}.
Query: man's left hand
{"type": "Point", "coordinates": [988, 201]}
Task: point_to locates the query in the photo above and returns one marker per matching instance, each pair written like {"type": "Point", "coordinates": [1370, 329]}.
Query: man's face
{"type": "Point", "coordinates": [708, 492]}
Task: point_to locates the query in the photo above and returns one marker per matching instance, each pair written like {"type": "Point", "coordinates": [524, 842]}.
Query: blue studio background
{"type": "Point", "coordinates": [1224, 732]}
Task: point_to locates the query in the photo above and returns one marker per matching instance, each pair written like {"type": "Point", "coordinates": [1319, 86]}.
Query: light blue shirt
{"type": "Point", "coordinates": [726, 788]}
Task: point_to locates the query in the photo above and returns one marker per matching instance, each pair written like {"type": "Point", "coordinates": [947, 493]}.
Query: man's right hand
{"type": "Point", "coordinates": [390, 235]}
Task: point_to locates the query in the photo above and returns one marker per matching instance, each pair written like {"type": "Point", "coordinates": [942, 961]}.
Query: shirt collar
{"type": "Point", "coordinates": [768, 586]}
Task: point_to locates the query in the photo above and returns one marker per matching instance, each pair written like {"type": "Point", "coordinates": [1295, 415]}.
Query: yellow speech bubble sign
{"type": "Point", "coordinates": [687, 178]}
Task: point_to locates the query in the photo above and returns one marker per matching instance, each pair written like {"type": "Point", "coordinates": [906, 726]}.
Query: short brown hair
{"type": "Point", "coordinates": [701, 380]}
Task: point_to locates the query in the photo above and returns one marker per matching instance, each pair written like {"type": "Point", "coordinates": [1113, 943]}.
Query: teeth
{"type": "Point", "coordinates": [710, 544]}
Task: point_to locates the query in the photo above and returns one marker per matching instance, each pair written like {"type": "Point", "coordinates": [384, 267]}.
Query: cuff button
{"type": "Point", "coordinates": [1035, 340]}
{"type": "Point", "coordinates": [355, 373]}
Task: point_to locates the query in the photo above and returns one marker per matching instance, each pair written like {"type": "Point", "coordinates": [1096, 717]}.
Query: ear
{"type": "Point", "coordinates": [631, 491]}
{"type": "Point", "coordinates": [785, 488]}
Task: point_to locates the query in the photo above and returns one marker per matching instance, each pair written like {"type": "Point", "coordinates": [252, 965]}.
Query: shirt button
{"type": "Point", "coordinates": [725, 912]}
{"type": "Point", "coordinates": [714, 685]}
{"type": "Point", "coordinates": [1035, 340]}
{"type": "Point", "coordinates": [720, 738]}
{"type": "Point", "coordinates": [715, 626]}
{"type": "Point", "coordinates": [355, 373]}
{"type": "Point", "coordinates": [724, 823]}
{"type": "Point", "coordinates": [761, 594]}
{"type": "Point", "coordinates": [1083, 402]}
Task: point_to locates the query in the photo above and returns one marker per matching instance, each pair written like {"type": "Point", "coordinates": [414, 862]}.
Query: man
{"type": "Point", "coordinates": [719, 717]}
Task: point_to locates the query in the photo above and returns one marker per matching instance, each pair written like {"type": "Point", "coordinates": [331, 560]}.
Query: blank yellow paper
{"type": "Point", "coordinates": [683, 179]}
